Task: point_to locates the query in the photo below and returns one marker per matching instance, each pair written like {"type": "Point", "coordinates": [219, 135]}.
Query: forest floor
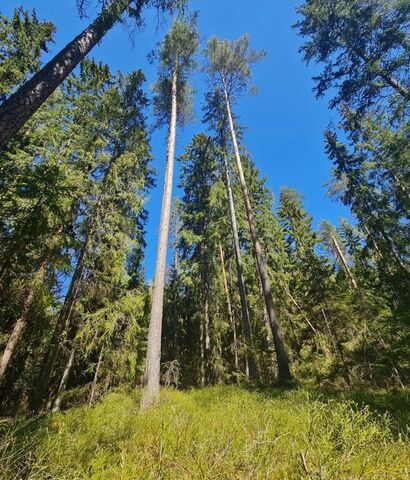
{"type": "Point", "coordinates": [216, 433]}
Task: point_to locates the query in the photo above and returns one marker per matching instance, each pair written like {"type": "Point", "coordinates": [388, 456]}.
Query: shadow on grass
{"type": "Point", "coordinates": [394, 403]}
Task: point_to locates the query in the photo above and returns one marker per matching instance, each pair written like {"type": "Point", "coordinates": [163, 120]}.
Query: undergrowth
{"type": "Point", "coordinates": [215, 433]}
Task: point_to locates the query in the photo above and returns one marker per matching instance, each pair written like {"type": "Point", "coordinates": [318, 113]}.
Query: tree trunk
{"type": "Point", "coordinates": [339, 348]}
{"type": "Point", "coordinates": [21, 323]}
{"type": "Point", "coordinates": [246, 323]}
{"type": "Point", "coordinates": [342, 260]}
{"type": "Point", "coordinates": [281, 355]}
{"type": "Point", "coordinates": [202, 353]}
{"type": "Point", "coordinates": [207, 337]}
{"type": "Point", "coordinates": [95, 379]}
{"type": "Point", "coordinates": [63, 319]}
{"type": "Point", "coordinates": [150, 392]}
{"type": "Point", "coordinates": [229, 306]}
{"type": "Point", "coordinates": [16, 110]}
{"type": "Point", "coordinates": [70, 299]}
{"type": "Point", "coordinates": [64, 380]}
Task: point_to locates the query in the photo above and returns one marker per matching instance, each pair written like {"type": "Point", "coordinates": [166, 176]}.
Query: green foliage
{"type": "Point", "coordinates": [176, 56]}
{"type": "Point", "coordinates": [23, 39]}
{"type": "Point", "coordinates": [363, 46]}
{"type": "Point", "coordinates": [221, 432]}
{"type": "Point", "coordinates": [230, 62]}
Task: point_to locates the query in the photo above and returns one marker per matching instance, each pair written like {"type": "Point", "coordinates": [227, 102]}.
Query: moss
{"type": "Point", "coordinates": [214, 433]}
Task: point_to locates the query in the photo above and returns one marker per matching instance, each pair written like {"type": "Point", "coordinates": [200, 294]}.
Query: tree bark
{"type": "Point", "coordinates": [64, 380]}
{"type": "Point", "coordinates": [95, 379]}
{"type": "Point", "coordinates": [342, 260]}
{"type": "Point", "coordinates": [70, 299]}
{"type": "Point", "coordinates": [229, 306]}
{"type": "Point", "coordinates": [339, 348]}
{"type": "Point", "coordinates": [150, 393]}
{"type": "Point", "coordinates": [207, 337]}
{"type": "Point", "coordinates": [17, 109]}
{"type": "Point", "coordinates": [246, 323]}
{"type": "Point", "coordinates": [21, 323]}
{"type": "Point", "coordinates": [63, 319]}
{"type": "Point", "coordinates": [282, 358]}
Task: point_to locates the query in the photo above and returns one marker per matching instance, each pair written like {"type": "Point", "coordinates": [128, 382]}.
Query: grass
{"type": "Point", "coordinates": [215, 433]}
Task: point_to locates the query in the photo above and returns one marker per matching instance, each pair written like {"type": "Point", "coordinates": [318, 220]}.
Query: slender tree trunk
{"type": "Point", "coordinates": [339, 348]}
{"type": "Point", "coordinates": [16, 110]}
{"type": "Point", "coordinates": [229, 306]}
{"type": "Point", "coordinates": [246, 323]}
{"type": "Point", "coordinates": [62, 321]}
{"type": "Point", "coordinates": [21, 322]}
{"type": "Point", "coordinates": [207, 337]}
{"type": "Point", "coordinates": [14, 337]}
{"type": "Point", "coordinates": [95, 379]}
{"type": "Point", "coordinates": [271, 345]}
{"type": "Point", "coordinates": [202, 353]}
{"type": "Point", "coordinates": [64, 380]}
{"type": "Point", "coordinates": [343, 261]}
{"type": "Point", "coordinates": [292, 298]}
{"type": "Point", "coordinates": [281, 355]}
{"type": "Point", "coordinates": [150, 392]}
{"type": "Point", "coordinates": [70, 299]}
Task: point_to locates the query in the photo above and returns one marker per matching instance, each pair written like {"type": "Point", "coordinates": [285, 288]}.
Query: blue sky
{"type": "Point", "coordinates": [284, 121]}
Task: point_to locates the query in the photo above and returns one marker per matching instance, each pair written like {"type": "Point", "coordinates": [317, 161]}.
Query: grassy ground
{"type": "Point", "coordinates": [216, 433]}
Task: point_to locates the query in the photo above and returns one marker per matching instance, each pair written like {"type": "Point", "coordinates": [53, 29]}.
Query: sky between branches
{"type": "Point", "coordinates": [284, 121]}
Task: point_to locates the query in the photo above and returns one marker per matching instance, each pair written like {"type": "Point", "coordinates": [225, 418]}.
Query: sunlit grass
{"type": "Point", "coordinates": [214, 433]}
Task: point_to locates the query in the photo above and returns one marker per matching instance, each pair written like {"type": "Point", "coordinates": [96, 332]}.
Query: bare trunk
{"type": "Point", "coordinates": [150, 393]}
{"type": "Point", "coordinates": [70, 299]}
{"type": "Point", "coordinates": [20, 325]}
{"type": "Point", "coordinates": [16, 110]}
{"type": "Point", "coordinates": [13, 340]}
{"type": "Point", "coordinates": [281, 355]}
{"type": "Point", "coordinates": [202, 353]}
{"type": "Point", "coordinates": [64, 380]}
{"type": "Point", "coordinates": [95, 379]}
{"type": "Point", "coordinates": [339, 348]}
{"type": "Point", "coordinates": [62, 321]}
{"type": "Point", "coordinates": [300, 309]}
{"type": "Point", "coordinates": [252, 370]}
{"type": "Point", "coordinates": [229, 306]}
{"type": "Point", "coordinates": [342, 260]}
{"type": "Point", "coordinates": [271, 345]}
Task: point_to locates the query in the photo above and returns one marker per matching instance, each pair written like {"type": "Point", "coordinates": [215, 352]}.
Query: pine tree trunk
{"type": "Point", "coordinates": [281, 355]}
{"type": "Point", "coordinates": [95, 379]}
{"type": "Point", "coordinates": [150, 392]}
{"type": "Point", "coordinates": [229, 306]}
{"type": "Point", "coordinates": [342, 259]}
{"type": "Point", "coordinates": [246, 323]}
{"type": "Point", "coordinates": [16, 110]}
{"type": "Point", "coordinates": [64, 380]}
{"type": "Point", "coordinates": [202, 380]}
{"type": "Point", "coordinates": [207, 337]}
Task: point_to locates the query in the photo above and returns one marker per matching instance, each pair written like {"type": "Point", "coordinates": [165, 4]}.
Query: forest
{"type": "Point", "coordinates": [266, 344]}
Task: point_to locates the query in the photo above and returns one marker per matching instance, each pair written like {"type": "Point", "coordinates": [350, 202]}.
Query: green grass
{"type": "Point", "coordinates": [215, 433]}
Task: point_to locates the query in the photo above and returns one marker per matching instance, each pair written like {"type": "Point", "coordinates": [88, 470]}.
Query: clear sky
{"type": "Point", "coordinates": [284, 121]}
